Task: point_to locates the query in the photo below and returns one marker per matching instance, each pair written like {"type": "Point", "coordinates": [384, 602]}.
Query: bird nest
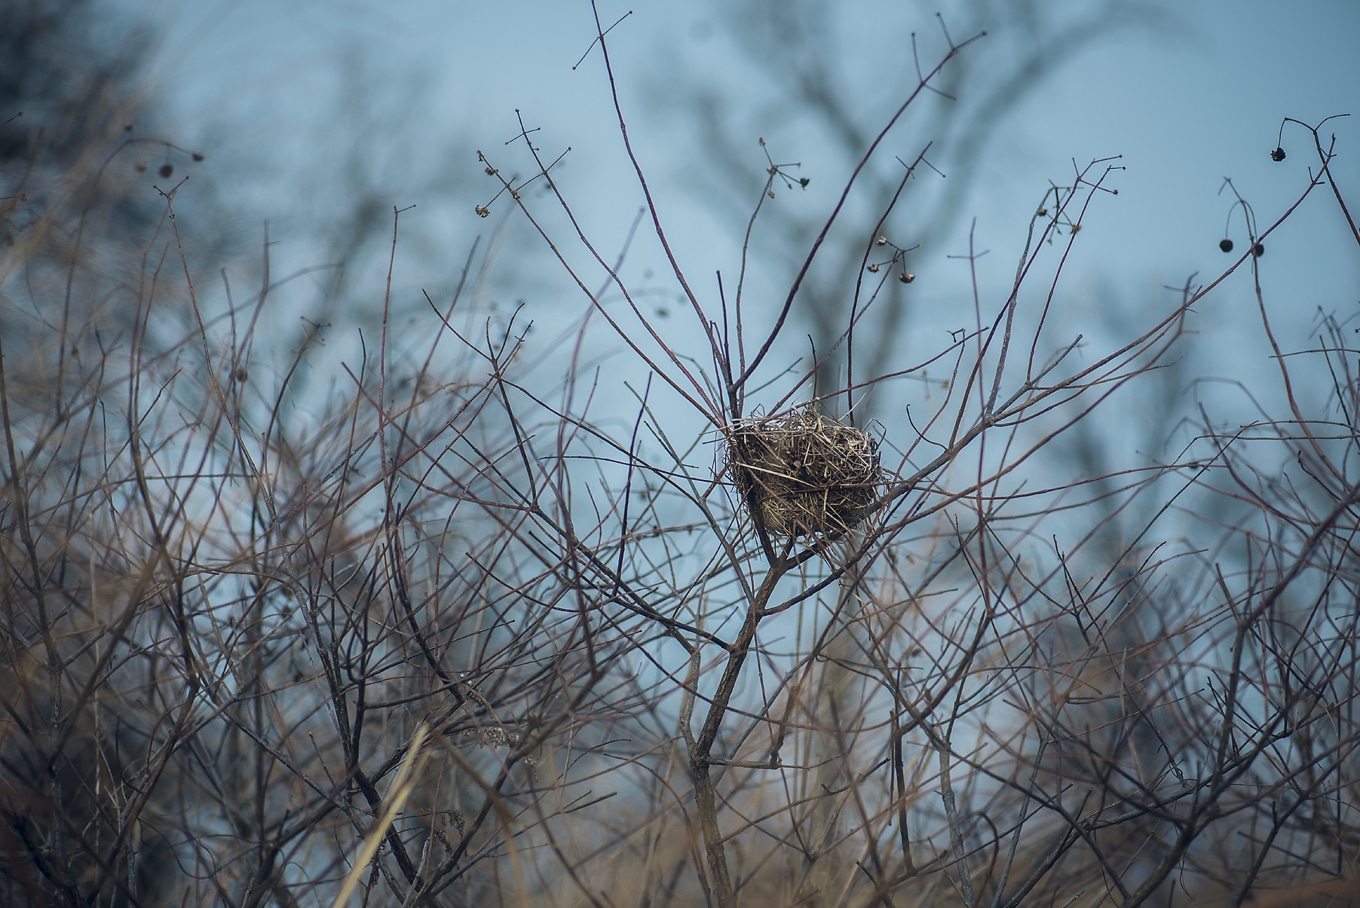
{"type": "Point", "coordinates": [803, 472]}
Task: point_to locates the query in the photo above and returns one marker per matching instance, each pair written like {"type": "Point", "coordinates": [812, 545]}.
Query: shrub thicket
{"type": "Point", "coordinates": [431, 636]}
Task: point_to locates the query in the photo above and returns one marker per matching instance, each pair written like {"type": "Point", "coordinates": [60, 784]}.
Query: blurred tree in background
{"type": "Point", "coordinates": [799, 76]}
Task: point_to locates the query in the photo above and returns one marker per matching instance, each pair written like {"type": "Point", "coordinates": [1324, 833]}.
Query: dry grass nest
{"type": "Point", "coordinates": [803, 472]}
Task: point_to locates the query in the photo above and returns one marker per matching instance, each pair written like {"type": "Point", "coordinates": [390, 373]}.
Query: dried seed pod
{"type": "Point", "coordinates": [1225, 244]}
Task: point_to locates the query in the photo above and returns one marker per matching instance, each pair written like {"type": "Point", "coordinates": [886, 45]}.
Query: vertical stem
{"type": "Point", "coordinates": [952, 816]}
{"type": "Point", "coordinates": [706, 802]}
{"type": "Point", "coordinates": [700, 756]}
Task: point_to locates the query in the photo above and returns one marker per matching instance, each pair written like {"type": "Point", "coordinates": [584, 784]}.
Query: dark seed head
{"type": "Point", "coordinates": [1277, 155]}
{"type": "Point", "coordinates": [166, 170]}
{"type": "Point", "coordinates": [1225, 245]}
{"type": "Point", "coordinates": [1258, 250]}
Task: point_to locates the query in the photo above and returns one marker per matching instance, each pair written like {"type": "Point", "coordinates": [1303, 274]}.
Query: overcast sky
{"type": "Point", "coordinates": [277, 93]}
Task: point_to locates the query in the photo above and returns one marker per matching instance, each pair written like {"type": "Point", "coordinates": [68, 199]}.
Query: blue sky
{"type": "Point", "coordinates": [276, 94]}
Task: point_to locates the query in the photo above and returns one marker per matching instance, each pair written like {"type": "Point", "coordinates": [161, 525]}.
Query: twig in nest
{"type": "Point", "coordinates": [803, 472]}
